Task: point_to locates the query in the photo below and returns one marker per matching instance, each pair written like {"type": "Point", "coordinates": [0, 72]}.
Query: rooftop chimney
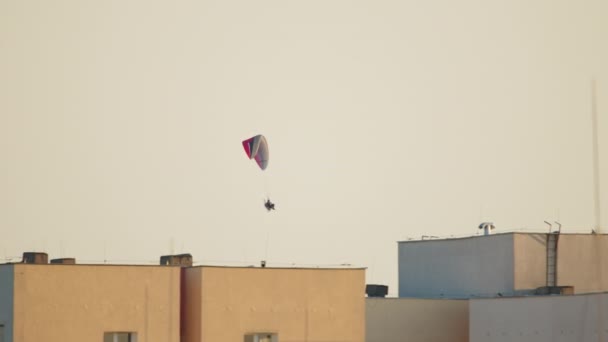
{"type": "Point", "coordinates": [35, 258]}
{"type": "Point", "coordinates": [64, 261]}
{"type": "Point", "coordinates": [184, 260]}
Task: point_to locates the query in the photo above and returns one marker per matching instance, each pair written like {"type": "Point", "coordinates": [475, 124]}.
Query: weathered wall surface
{"type": "Point", "coordinates": [411, 319]}
{"type": "Point", "coordinates": [478, 266]}
{"type": "Point", "coordinates": [74, 303]}
{"type": "Point", "coordinates": [297, 304]}
{"type": "Point", "coordinates": [578, 318]}
{"type": "Point", "coordinates": [582, 261]}
{"type": "Point", "coordinates": [6, 301]}
{"type": "Point", "coordinates": [530, 253]}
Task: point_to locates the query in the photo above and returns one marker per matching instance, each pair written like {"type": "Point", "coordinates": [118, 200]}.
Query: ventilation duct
{"type": "Point", "coordinates": [64, 261]}
{"type": "Point", "coordinates": [373, 290]}
{"type": "Point", "coordinates": [35, 258]}
{"type": "Point", "coordinates": [184, 260]}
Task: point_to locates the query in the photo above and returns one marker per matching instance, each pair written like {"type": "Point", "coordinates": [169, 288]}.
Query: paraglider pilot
{"type": "Point", "coordinates": [269, 205]}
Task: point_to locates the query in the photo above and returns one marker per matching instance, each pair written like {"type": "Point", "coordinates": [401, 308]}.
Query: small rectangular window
{"type": "Point", "coordinates": [262, 337]}
{"type": "Point", "coordinates": [119, 337]}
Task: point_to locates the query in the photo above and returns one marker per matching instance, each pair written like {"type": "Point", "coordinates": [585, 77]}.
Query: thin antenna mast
{"type": "Point", "coordinates": [596, 168]}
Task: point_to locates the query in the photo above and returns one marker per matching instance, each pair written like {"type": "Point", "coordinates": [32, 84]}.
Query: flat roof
{"type": "Point", "coordinates": [287, 267]}
{"type": "Point", "coordinates": [467, 298]}
{"type": "Point", "coordinates": [445, 238]}
{"type": "Point", "coordinates": [193, 266]}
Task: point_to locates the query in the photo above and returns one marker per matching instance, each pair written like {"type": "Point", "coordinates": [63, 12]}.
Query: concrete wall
{"type": "Point", "coordinates": [74, 303]}
{"type": "Point", "coordinates": [541, 319]}
{"type": "Point", "coordinates": [456, 267]}
{"type": "Point", "coordinates": [6, 301]}
{"type": "Point", "coordinates": [297, 304]}
{"type": "Point", "coordinates": [411, 319]}
{"type": "Point", "coordinates": [530, 255]}
{"type": "Point", "coordinates": [582, 261]}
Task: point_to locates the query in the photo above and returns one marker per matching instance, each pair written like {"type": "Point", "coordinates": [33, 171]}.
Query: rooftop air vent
{"type": "Point", "coordinates": [35, 258]}
{"type": "Point", "coordinates": [487, 227]}
{"type": "Point", "coordinates": [373, 290]}
{"type": "Point", "coordinates": [184, 260]}
{"type": "Point", "coordinates": [64, 261]}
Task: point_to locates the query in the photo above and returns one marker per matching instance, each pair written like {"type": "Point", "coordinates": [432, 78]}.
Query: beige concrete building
{"type": "Point", "coordinates": [173, 303]}
{"type": "Point", "coordinates": [582, 262]}
{"type": "Point", "coordinates": [275, 304]}
{"type": "Point", "coordinates": [105, 303]}
{"type": "Point", "coordinates": [413, 319]}
{"type": "Point", "coordinates": [502, 265]}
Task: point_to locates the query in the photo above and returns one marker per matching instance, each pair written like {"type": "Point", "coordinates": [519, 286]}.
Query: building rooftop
{"type": "Point", "coordinates": [428, 238]}
{"type": "Point", "coordinates": [177, 260]}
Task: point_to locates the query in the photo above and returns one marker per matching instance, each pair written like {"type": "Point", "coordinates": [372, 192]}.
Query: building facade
{"type": "Point", "coordinates": [7, 273]}
{"type": "Point", "coordinates": [176, 302]}
{"type": "Point", "coordinates": [415, 319]}
{"type": "Point", "coordinates": [502, 265]}
{"type": "Point", "coordinates": [275, 304]}
{"type": "Point", "coordinates": [89, 303]}
{"type": "Point", "coordinates": [581, 318]}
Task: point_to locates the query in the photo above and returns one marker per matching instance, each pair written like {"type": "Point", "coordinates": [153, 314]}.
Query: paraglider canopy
{"type": "Point", "coordinates": [257, 148]}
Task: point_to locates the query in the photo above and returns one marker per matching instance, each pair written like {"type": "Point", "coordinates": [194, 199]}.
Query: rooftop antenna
{"type": "Point", "coordinates": [550, 226]}
{"type": "Point", "coordinates": [596, 168]}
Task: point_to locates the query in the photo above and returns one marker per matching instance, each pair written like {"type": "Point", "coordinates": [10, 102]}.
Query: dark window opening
{"type": "Point", "coordinates": [120, 337]}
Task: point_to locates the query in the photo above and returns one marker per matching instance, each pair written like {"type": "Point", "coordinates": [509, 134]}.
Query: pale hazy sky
{"type": "Point", "coordinates": [121, 125]}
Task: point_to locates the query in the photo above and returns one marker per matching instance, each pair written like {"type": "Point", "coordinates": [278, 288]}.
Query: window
{"type": "Point", "coordinates": [262, 337]}
{"type": "Point", "coordinates": [119, 337]}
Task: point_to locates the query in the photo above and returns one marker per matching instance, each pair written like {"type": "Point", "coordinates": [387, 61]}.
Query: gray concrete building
{"type": "Point", "coordinates": [568, 318]}
{"type": "Point", "coordinates": [564, 318]}
{"type": "Point", "coordinates": [497, 288]}
{"type": "Point", "coordinates": [415, 319]}
{"type": "Point", "coordinates": [507, 264]}
{"type": "Point", "coordinates": [6, 301]}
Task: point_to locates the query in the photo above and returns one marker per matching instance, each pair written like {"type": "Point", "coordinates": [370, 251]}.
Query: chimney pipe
{"type": "Point", "coordinates": [487, 227]}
